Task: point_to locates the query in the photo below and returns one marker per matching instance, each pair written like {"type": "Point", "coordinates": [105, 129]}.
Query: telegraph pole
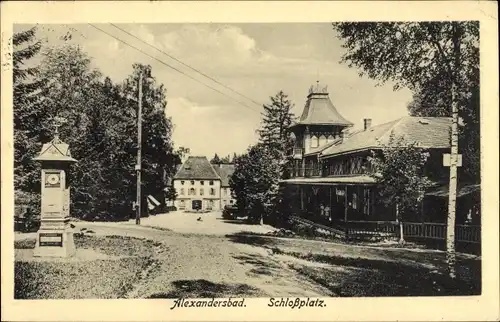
{"type": "Point", "coordinates": [139, 147]}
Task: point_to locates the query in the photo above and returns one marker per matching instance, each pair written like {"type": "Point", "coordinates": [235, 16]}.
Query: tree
{"type": "Point", "coordinates": [275, 132]}
{"type": "Point", "coordinates": [27, 118]}
{"type": "Point", "coordinates": [99, 118]}
{"type": "Point", "coordinates": [158, 157]}
{"type": "Point", "coordinates": [399, 173]}
{"type": "Point", "coordinates": [255, 182]}
{"type": "Point", "coordinates": [414, 55]}
{"type": "Point", "coordinates": [215, 159]}
{"type": "Point", "coordinates": [226, 159]}
{"type": "Point", "coordinates": [182, 152]}
{"type": "Point", "coordinates": [171, 194]}
{"type": "Point", "coordinates": [276, 121]}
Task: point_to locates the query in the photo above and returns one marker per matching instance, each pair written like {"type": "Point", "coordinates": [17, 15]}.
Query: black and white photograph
{"type": "Point", "coordinates": [210, 163]}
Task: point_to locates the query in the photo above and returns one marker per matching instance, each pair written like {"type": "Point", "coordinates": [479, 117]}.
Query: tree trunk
{"type": "Point", "coordinates": [398, 218]}
{"type": "Point", "coordinates": [450, 230]}
{"type": "Point", "coordinates": [452, 195]}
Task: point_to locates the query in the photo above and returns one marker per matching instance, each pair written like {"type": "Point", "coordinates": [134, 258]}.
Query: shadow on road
{"type": "Point", "coordinates": [253, 240]}
{"type": "Point", "coordinates": [260, 265]}
{"type": "Point", "coordinates": [236, 221]}
{"type": "Point", "coordinates": [350, 276]}
{"type": "Point", "coordinates": [205, 289]}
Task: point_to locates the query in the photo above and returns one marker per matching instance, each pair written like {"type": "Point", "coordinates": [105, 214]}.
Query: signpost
{"type": "Point", "coordinates": [55, 237]}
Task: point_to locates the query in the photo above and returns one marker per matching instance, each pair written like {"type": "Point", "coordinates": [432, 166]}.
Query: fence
{"type": "Point", "coordinates": [425, 230]}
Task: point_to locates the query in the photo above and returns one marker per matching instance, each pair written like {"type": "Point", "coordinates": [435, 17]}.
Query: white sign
{"type": "Point", "coordinates": [153, 200]}
{"type": "Point", "coordinates": [447, 160]}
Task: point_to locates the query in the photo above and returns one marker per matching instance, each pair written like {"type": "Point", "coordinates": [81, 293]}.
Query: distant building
{"type": "Point", "coordinates": [225, 171]}
{"type": "Point", "coordinates": [201, 185]}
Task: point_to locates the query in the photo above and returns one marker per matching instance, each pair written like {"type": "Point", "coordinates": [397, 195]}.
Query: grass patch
{"type": "Point", "coordinates": [86, 279]}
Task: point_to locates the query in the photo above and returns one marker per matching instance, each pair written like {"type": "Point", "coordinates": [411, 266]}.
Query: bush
{"type": "Point", "coordinates": [171, 208]}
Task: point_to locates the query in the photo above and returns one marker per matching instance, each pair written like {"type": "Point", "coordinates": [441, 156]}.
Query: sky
{"type": "Point", "coordinates": [255, 60]}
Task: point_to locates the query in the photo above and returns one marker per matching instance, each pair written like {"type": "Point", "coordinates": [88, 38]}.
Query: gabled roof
{"type": "Point", "coordinates": [319, 110]}
{"type": "Point", "coordinates": [225, 171]}
{"type": "Point", "coordinates": [55, 150]}
{"type": "Point", "coordinates": [429, 132]}
{"type": "Point", "coordinates": [197, 167]}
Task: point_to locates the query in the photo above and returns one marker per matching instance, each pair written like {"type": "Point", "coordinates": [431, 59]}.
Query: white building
{"type": "Point", "coordinates": [201, 185]}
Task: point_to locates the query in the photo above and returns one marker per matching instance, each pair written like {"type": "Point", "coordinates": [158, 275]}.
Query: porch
{"type": "Point", "coordinates": [349, 210]}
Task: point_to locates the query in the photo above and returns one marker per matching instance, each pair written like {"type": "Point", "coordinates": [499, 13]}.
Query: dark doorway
{"type": "Point", "coordinates": [196, 204]}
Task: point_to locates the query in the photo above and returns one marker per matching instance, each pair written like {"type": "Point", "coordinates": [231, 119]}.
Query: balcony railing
{"type": "Point", "coordinates": [301, 173]}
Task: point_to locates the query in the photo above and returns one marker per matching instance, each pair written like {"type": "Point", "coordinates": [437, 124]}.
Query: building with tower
{"type": "Point", "coordinates": [328, 177]}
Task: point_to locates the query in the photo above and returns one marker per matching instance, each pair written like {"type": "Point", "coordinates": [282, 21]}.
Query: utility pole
{"type": "Point", "coordinates": [139, 147]}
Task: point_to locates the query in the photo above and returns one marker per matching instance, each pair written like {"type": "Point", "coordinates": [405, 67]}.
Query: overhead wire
{"type": "Point", "coordinates": [171, 67]}
{"type": "Point", "coordinates": [188, 66]}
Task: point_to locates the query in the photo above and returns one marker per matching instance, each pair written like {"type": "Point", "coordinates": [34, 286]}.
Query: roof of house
{"type": "Point", "coordinates": [320, 110]}
{"type": "Point", "coordinates": [428, 132]}
{"type": "Point", "coordinates": [225, 171]}
{"type": "Point", "coordinates": [197, 167]}
{"type": "Point", "coordinates": [55, 150]}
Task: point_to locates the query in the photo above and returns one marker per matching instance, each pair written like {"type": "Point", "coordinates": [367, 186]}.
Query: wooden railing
{"type": "Point", "coordinates": [371, 227]}
{"type": "Point", "coordinates": [426, 230]}
{"type": "Point", "coordinates": [468, 233]}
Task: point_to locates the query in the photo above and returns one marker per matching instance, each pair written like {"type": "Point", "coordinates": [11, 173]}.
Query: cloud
{"type": "Point", "coordinates": [256, 60]}
{"type": "Point", "coordinates": [222, 45]}
{"type": "Point", "coordinates": [207, 129]}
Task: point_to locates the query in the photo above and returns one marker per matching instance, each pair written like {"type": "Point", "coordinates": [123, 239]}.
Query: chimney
{"type": "Point", "coordinates": [367, 123]}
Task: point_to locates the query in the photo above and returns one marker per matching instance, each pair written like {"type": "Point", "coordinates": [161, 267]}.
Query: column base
{"type": "Point", "coordinates": [55, 243]}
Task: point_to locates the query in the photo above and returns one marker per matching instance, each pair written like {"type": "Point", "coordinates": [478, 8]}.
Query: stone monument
{"type": "Point", "coordinates": [55, 236]}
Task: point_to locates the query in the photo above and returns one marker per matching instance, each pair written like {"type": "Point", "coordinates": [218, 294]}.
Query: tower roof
{"type": "Point", "coordinates": [320, 110]}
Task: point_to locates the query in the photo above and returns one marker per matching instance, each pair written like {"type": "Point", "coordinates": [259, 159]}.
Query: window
{"type": "Point", "coordinates": [192, 192]}
{"type": "Point", "coordinates": [212, 191]}
{"type": "Point", "coordinates": [182, 204]}
{"type": "Point", "coordinates": [182, 182]}
{"type": "Point", "coordinates": [201, 192]}
{"type": "Point", "coordinates": [192, 182]}
{"type": "Point", "coordinates": [231, 201]}
{"type": "Point", "coordinates": [314, 141]}
{"type": "Point", "coordinates": [202, 182]}
{"type": "Point", "coordinates": [211, 183]}
{"type": "Point", "coordinates": [225, 191]}
{"type": "Point", "coordinates": [354, 201]}
{"type": "Point", "coordinates": [322, 140]}
{"type": "Point", "coordinates": [182, 191]}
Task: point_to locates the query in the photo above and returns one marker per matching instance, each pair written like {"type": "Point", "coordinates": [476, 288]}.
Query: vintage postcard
{"type": "Point", "coordinates": [241, 161]}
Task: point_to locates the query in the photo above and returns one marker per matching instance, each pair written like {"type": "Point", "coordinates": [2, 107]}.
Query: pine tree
{"type": "Point", "coordinates": [27, 117]}
{"type": "Point", "coordinates": [277, 118]}
{"type": "Point", "coordinates": [215, 159]}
